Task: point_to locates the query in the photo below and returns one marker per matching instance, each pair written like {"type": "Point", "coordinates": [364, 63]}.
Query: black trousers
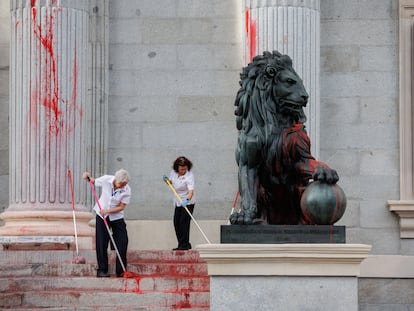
{"type": "Point", "coordinates": [182, 226]}
{"type": "Point", "coordinates": [102, 239]}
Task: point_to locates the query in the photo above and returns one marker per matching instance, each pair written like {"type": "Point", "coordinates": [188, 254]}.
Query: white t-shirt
{"type": "Point", "coordinates": [111, 198]}
{"type": "Point", "coordinates": [182, 185]}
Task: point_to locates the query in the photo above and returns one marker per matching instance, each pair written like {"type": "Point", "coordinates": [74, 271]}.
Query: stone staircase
{"type": "Point", "coordinates": [47, 280]}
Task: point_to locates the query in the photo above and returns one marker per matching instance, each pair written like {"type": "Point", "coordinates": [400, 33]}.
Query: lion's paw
{"type": "Point", "coordinates": [241, 218]}
{"type": "Point", "coordinates": [325, 175]}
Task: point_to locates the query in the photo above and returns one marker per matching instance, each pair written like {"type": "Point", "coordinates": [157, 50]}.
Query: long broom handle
{"type": "Point", "coordinates": [168, 182]}
{"type": "Point", "coordinates": [107, 226]}
{"type": "Point", "coordinates": [73, 211]}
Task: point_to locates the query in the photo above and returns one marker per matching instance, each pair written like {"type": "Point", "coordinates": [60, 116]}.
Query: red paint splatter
{"type": "Point", "coordinates": [132, 275]}
{"type": "Point", "coordinates": [250, 34]}
{"type": "Point", "coordinates": [184, 304]}
{"type": "Point", "coordinates": [52, 100]}
{"type": "Point", "coordinates": [74, 90]}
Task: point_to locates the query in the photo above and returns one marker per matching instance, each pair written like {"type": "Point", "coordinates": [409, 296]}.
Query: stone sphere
{"type": "Point", "coordinates": [323, 204]}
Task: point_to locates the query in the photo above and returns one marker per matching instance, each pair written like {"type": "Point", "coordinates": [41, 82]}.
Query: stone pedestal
{"type": "Point", "coordinates": [292, 277]}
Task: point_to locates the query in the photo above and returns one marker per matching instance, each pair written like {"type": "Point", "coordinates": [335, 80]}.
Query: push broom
{"type": "Point", "coordinates": [168, 182]}
{"type": "Point", "coordinates": [78, 259]}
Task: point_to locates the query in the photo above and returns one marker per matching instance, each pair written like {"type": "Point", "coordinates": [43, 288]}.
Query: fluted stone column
{"type": "Point", "coordinates": [292, 27]}
{"type": "Point", "coordinates": [48, 134]}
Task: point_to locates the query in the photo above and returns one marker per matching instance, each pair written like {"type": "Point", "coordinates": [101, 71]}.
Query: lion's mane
{"type": "Point", "coordinates": [258, 107]}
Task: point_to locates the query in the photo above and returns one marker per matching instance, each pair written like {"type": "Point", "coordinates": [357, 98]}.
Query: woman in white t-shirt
{"type": "Point", "coordinates": [115, 196]}
{"type": "Point", "coordinates": [182, 179]}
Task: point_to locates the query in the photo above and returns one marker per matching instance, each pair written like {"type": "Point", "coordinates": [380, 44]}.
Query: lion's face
{"type": "Point", "coordinates": [270, 92]}
{"type": "Point", "coordinates": [290, 94]}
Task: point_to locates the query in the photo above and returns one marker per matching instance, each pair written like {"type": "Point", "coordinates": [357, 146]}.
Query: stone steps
{"type": "Point", "coordinates": [137, 284]}
{"type": "Point", "coordinates": [138, 269]}
{"type": "Point", "coordinates": [46, 280]}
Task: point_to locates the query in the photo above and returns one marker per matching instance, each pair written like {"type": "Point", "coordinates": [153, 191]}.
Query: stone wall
{"type": "Point", "coordinates": [174, 70]}
{"type": "Point", "coordinates": [359, 115]}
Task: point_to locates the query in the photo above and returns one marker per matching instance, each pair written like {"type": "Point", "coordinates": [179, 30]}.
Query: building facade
{"type": "Point", "coordinates": [162, 76]}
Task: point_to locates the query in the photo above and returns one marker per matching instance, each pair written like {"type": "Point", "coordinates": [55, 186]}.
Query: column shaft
{"type": "Point", "coordinates": [48, 134]}
{"type": "Point", "coordinates": [291, 27]}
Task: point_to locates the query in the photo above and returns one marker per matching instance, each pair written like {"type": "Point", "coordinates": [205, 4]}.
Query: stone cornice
{"type": "Point", "coordinates": [284, 259]}
{"type": "Point", "coordinates": [405, 211]}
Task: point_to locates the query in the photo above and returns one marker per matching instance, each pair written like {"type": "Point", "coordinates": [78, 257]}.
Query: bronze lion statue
{"type": "Point", "coordinates": [273, 149]}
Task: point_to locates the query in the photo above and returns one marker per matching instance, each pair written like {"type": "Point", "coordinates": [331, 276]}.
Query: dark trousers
{"type": "Point", "coordinates": [182, 226]}
{"type": "Point", "coordinates": [102, 239]}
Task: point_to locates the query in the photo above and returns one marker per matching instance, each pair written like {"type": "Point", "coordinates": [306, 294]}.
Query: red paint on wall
{"type": "Point", "coordinates": [251, 31]}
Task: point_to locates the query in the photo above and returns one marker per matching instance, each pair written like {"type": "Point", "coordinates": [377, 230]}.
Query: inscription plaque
{"type": "Point", "coordinates": [278, 234]}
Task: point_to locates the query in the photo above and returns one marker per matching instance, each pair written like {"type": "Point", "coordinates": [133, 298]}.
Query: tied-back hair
{"type": "Point", "coordinates": [121, 176]}
{"type": "Point", "coordinates": [182, 161]}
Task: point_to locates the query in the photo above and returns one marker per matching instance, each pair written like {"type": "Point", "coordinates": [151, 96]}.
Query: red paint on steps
{"type": "Point", "coordinates": [181, 291]}
{"type": "Point", "coordinates": [183, 304]}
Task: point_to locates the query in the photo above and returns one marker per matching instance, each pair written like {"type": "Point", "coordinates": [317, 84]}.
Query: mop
{"type": "Point", "coordinates": [78, 259]}
{"type": "Point", "coordinates": [126, 273]}
{"type": "Point", "coordinates": [168, 182]}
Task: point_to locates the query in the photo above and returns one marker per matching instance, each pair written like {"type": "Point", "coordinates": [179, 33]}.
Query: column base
{"type": "Point", "coordinates": [48, 223]}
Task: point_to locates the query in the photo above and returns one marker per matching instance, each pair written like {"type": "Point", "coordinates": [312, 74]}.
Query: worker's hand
{"type": "Point", "coordinates": [103, 212]}
{"type": "Point", "coordinates": [86, 176]}
{"type": "Point", "coordinates": [184, 203]}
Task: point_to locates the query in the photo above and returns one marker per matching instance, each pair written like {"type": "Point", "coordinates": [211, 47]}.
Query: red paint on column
{"type": "Point", "coordinates": [75, 70]}
{"type": "Point", "coordinates": [52, 99]}
{"type": "Point", "coordinates": [251, 31]}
